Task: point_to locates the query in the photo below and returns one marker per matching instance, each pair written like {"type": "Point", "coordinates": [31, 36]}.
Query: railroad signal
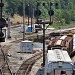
{"type": "Point", "coordinates": [1, 34]}
{"type": "Point", "coordinates": [2, 38]}
{"type": "Point", "coordinates": [56, 5]}
{"type": "Point", "coordinates": [2, 22]}
{"type": "Point", "coordinates": [43, 4]}
{"type": "Point", "coordinates": [1, 4]}
{"type": "Point", "coordinates": [37, 13]}
{"type": "Point", "coordinates": [51, 3]}
{"type": "Point", "coordinates": [51, 12]}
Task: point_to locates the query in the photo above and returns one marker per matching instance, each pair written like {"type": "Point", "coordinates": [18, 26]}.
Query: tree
{"type": "Point", "coordinates": [66, 8]}
{"type": "Point", "coordinates": [13, 6]}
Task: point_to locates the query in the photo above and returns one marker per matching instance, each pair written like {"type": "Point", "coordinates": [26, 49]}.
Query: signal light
{"type": "Point", "coordinates": [37, 13]}
{"type": "Point", "coordinates": [1, 4]}
{"type": "Point", "coordinates": [43, 4]}
{"type": "Point", "coordinates": [51, 3]}
{"type": "Point", "coordinates": [2, 39]}
{"type": "Point", "coordinates": [1, 34]}
{"type": "Point", "coordinates": [51, 12]}
{"type": "Point", "coordinates": [56, 4]}
{"type": "Point", "coordinates": [2, 22]}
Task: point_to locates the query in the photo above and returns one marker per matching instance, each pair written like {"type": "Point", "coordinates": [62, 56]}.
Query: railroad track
{"type": "Point", "coordinates": [26, 66]}
{"type": "Point", "coordinates": [4, 67]}
{"type": "Point", "coordinates": [6, 70]}
{"type": "Point", "coordinates": [15, 26]}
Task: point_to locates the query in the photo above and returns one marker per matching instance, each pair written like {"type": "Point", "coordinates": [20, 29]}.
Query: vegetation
{"type": "Point", "coordinates": [64, 11]}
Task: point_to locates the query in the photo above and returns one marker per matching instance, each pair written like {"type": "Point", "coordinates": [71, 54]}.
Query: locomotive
{"type": "Point", "coordinates": [60, 50]}
{"type": "Point", "coordinates": [58, 62]}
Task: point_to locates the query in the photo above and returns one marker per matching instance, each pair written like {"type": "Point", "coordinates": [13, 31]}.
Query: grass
{"type": "Point", "coordinates": [58, 26]}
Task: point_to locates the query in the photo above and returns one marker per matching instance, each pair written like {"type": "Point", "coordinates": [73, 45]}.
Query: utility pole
{"type": "Point", "coordinates": [23, 19]}
{"type": "Point", "coordinates": [44, 44]}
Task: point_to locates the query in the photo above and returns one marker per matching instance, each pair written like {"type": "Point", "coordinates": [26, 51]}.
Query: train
{"type": "Point", "coordinates": [60, 51]}
{"type": "Point", "coordinates": [58, 62]}
{"type": "Point", "coordinates": [64, 42]}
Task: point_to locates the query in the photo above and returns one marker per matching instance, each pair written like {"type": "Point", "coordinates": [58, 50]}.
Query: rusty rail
{"type": "Point", "coordinates": [4, 67]}
{"type": "Point", "coordinates": [27, 65]}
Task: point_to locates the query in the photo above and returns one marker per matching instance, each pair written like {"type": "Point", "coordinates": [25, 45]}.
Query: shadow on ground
{"type": "Point", "coordinates": [40, 71]}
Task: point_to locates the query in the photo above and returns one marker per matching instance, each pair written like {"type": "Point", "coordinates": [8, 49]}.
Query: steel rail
{"type": "Point", "coordinates": [4, 69]}
{"type": "Point", "coordinates": [27, 65]}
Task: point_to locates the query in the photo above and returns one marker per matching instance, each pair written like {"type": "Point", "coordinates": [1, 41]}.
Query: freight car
{"type": "Point", "coordinates": [64, 42]}
{"type": "Point", "coordinates": [58, 62]}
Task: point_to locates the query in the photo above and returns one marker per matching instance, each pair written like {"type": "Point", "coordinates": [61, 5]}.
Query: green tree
{"type": "Point", "coordinates": [13, 6]}
{"type": "Point", "coordinates": [66, 8]}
